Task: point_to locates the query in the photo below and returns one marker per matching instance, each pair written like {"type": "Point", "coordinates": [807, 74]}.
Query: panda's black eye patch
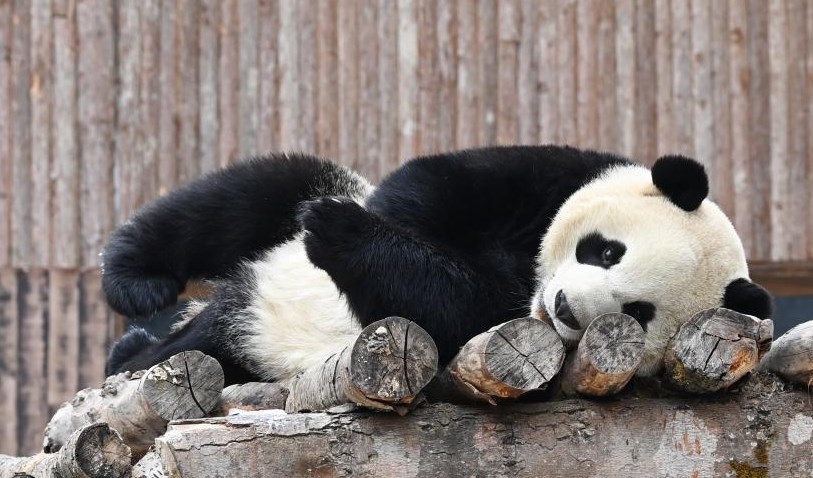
{"type": "Point", "coordinates": [596, 250]}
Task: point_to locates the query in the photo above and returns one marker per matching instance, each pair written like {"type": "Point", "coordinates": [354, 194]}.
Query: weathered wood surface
{"type": "Point", "coordinates": [791, 355]}
{"type": "Point", "coordinates": [149, 466]}
{"type": "Point", "coordinates": [385, 369]}
{"type": "Point", "coordinates": [252, 396]}
{"type": "Point", "coordinates": [139, 405]}
{"type": "Point", "coordinates": [764, 430]}
{"type": "Point", "coordinates": [94, 451]}
{"type": "Point", "coordinates": [506, 361]}
{"type": "Point", "coordinates": [714, 349]}
{"type": "Point", "coordinates": [608, 354]}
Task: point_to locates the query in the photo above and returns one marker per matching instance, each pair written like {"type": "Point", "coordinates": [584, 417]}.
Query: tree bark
{"type": "Point", "coordinates": [764, 430]}
{"type": "Point", "coordinates": [607, 357]}
{"type": "Point", "coordinates": [139, 405]}
{"type": "Point", "coordinates": [791, 355]}
{"type": "Point", "coordinates": [93, 451]}
{"type": "Point", "coordinates": [507, 361]}
{"type": "Point", "coordinates": [714, 349]}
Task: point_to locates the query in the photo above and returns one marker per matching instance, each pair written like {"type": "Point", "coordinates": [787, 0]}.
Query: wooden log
{"type": "Point", "coordinates": [251, 396]}
{"type": "Point", "coordinates": [607, 357]}
{"type": "Point", "coordinates": [791, 355]}
{"type": "Point", "coordinates": [95, 450]}
{"type": "Point", "coordinates": [139, 405]}
{"type": "Point", "coordinates": [149, 466]}
{"type": "Point", "coordinates": [385, 369]}
{"type": "Point", "coordinates": [714, 349]}
{"type": "Point", "coordinates": [506, 361]}
{"type": "Point", "coordinates": [765, 430]}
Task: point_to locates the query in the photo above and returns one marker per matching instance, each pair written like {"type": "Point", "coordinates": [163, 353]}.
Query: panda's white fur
{"type": "Point", "coordinates": [675, 259]}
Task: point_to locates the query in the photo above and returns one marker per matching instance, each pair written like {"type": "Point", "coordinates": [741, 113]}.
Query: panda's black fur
{"type": "Point", "coordinates": [448, 241]}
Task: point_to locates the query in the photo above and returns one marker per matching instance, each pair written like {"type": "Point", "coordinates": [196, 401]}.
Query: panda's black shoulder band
{"type": "Point", "coordinates": [682, 180]}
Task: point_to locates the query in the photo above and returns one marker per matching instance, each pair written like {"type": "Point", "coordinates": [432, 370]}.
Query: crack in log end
{"type": "Point", "coordinates": [189, 386]}
{"type": "Point", "coordinates": [525, 359]}
{"type": "Point", "coordinates": [406, 349]}
{"type": "Point", "coordinates": [716, 344]}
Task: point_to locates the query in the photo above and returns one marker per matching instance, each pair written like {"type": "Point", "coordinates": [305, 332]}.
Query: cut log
{"type": "Point", "coordinates": [139, 405]}
{"type": "Point", "coordinates": [251, 396]}
{"type": "Point", "coordinates": [385, 369]}
{"type": "Point", "coordinates": [149, 466]}
{"type": "Point", "coordinates": [608, 355]}
{"type": "Point", "coordinates": [506, 361]}
{"type": "Point", "coordinates": [92, 451]}
{"type": "Point", "coordinates": [791, 355]}
{"type": "Point", "coordinates": [765, 430]}
{"type": "Point", "coordinates": [714, 349]}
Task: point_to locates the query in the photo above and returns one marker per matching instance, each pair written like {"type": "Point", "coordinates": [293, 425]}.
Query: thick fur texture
{"type": "Point", "coordinates": [308, 252]}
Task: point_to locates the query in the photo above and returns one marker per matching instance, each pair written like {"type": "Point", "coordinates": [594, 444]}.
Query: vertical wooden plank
{"type": "Point", "coordinates": [63, 337]}
{"type": "Point", "coordinates": [268, 127]}
{"type": "Point", "coordinates": [65, 251]}
{"type": "Point", "coordinates": [682, 104]}
{"type": "Point", "coordinates": [95, 322]}
{"type": "Point", "coordinates": [646, 83]}
{"type": "Point", "coordinates": [447, 74]}
{"type": "Point", "coordinates": [528, 88]}
{"type": "Point", "coordinates": [308, 54]}
{"type": "Point", "coordinates": [32, 310]}
{"type": "Point", "coordinates": [149, 102]}
{"type": "Point", "coordinates": [740, 123]}
{"type": "Point", "coordinates": [625, 74]}
{"type": "Point", "coordinates": [186, 79]}
{"type": "Point", "coordinates": [388, 86]}
{"type": "Point", "coordinates": [8, 357]}
{"type": "Point", "coordinates": [797, 214]}
{"type": "Point", "coordinates": [127, 161]}
{"type": "Point", "coordinates": [348, 81]}
{"type": "Point", "coordinates": [507, 63]}
{"type": "Point", "coordinates": [288, 64]}
{"type": "Point", "coordinates": [21, 133]}
{"type": "Point", "coordinates": [408, 90]}
{"type": "Point", "coordinates": [41, 89]}
{"type": "Point", "coordinates": [586, 74]}
{"type": "Point", "coordinates": [606, 88]}
{"type": "Point", "coordinates": [248, 12]}
{"type": "Point", "coordinates": [468, 78]}
{"type": "Point", "coordinates": [327, 91]}
{"type": "Point", "coordinates": [809, 102]}
{"type": "Point", "coordinates": [723, 184]}
{"type": "Point", "coordinates": [488, 41]}
{"type": "Point", "coordinates": [663, 57]}
{"type": "Point", "coordinates": [208, 82]}
{"type": "Point", "coordinates": [701, 86]}
{"type": "Point", "coordinates": [228, 93]}
{"type": "Point", "coordinates": [6, 127]}
{"type": "Point", "coordinates": [368, 128]}
{"type": "Point", "coordinates": [429, 77]}
{"type": "Point", "coordinates": [778, 66]}
{"type": "Point", "coordinates": [548, 76]}
{"type": "Point", "coordinates": [566, 59]}
{"type": "Point", "coordinates": [759, 134]}
{"type": "Point", "coordinates": [167, 120]}
{"type": "Point", "coordinates": [95, 82]}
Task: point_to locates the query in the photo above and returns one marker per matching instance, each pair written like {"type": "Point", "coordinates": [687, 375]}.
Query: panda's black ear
{"type": "Point", "coordinates": [746, 297]}
{"type": "Point", "coordinates": [682, 180]}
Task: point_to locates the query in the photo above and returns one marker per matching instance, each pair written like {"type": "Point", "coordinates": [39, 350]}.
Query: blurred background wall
{"type": "Point", "coordinates": [107, 104]}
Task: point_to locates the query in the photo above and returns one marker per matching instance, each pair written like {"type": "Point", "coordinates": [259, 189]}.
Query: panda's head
{"type": "Point", "coordinates": [646, 243]}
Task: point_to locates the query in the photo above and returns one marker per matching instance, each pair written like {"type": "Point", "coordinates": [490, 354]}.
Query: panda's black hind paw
{"type": "Point", "coordinates": [332, 226]}
{"type": "Point", "coordinates": [139, 297]}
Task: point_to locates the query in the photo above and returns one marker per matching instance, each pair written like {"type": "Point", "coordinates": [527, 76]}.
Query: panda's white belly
{"type": "Point", "coordinates": [297, 318]}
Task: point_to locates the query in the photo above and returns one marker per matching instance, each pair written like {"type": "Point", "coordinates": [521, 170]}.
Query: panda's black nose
{"type": "Point", "coordinates": [563, 312]}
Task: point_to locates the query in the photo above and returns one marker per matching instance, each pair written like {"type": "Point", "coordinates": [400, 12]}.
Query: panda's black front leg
{"type": "Point", "coordinates": [384, 270]}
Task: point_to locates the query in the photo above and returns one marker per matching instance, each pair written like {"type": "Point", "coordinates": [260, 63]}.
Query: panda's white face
{"type": "Point", "coordinates": [619, 245]}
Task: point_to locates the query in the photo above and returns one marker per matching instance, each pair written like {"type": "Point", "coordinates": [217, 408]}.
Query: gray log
{"type": "Point", "coordinates": [385, 369]}
{"type": "Point", "coordinates": [791, 355]}
{"type": "Point", "coordinates": [765, 430]}
{"type": "Point", "coordinates": [506, 361]}
{"type": "Point", "coordinates": [714, 349]}
{"type": "Point", "coordinates": [149, 466]}
{"type": "Point", "coordinates": [139, 405]}
{"type": "Point", "coordinates": [251, 396]}
{"type": "Point", "coordinates": [608, 355]}
{"type": "Point", "coordinates": [93, 451]}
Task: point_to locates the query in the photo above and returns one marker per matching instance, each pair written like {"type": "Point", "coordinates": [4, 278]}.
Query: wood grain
{"type": "Point", "coordinates": [791, 355]}
{"type": "Point", "coordinates": [6, 170]}
{"type": "Point", "coordinates": [9, 361]}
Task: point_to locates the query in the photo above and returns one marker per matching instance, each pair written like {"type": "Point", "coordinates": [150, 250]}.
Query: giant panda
{"type": "Point", "coordinates": [304, 253]}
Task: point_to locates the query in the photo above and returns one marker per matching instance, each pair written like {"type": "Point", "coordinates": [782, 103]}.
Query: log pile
{"type": "Point", "coordinates": [261, 433]}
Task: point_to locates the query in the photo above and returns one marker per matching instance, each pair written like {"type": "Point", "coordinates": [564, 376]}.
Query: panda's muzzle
{"type": "Point", "coordinates": [563, 312]}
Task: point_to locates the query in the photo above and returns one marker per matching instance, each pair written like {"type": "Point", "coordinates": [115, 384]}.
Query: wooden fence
{"type": "Point", "coordinates": [107, 104]}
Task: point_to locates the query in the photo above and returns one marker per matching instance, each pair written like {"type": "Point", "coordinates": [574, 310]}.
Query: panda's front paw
{"type": "Point", "coordinates": [333, 226]}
